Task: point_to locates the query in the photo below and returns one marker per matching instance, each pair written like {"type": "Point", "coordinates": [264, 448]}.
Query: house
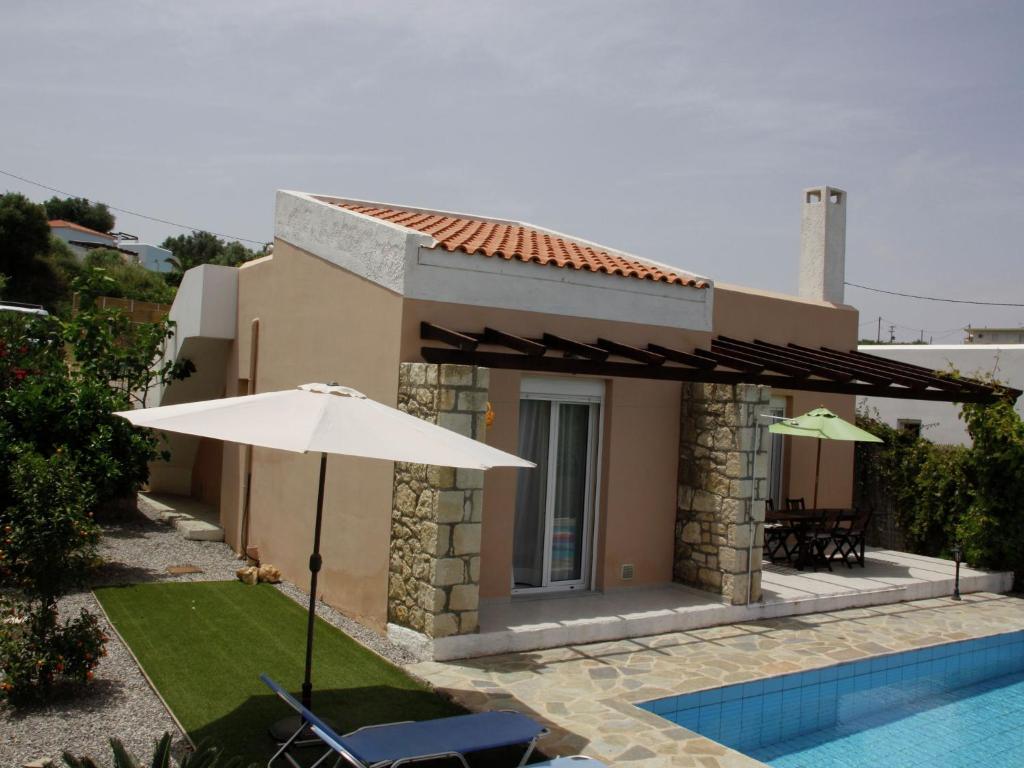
{"type": "Point", "coordinates": [81, 240]}
{"type": "Point", "coordinates": [152, 257]}
{"type": "Point", "coordinates": [935, 420]}
{"type": "Point", "coordinates": [641, 391]}
{"type": "Point", "coordinates": [994, 335]}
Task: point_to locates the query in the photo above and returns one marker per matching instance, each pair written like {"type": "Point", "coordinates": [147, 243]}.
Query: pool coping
{"type": "Point", "coordinates": [588, 694]}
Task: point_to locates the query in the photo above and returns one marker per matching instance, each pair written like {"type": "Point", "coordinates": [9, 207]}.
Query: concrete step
{"type": "Point", "coordinates": [199, 530]}
{"type": "Point", "coordinates": [196, 521]}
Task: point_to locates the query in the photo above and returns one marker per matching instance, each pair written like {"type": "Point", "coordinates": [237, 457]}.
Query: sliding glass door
{"type": "Point", "coordinates": [558, 431]}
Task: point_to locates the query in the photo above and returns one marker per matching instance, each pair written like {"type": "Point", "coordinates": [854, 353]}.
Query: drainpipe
{"type": "Point", "coordinates": [254, 351]}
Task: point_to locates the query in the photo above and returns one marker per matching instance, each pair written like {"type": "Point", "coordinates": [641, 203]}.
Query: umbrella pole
{"type": "Point", "coordinates": [817, 470]}
{"type": "Point", "coordinates": [314, 568]}
{"type": "Point", "coordinates": [295, 729]}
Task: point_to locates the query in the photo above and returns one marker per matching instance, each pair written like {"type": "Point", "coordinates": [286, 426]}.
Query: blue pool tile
{"type": "Point", "coordinates": [710, 696]}
{"type": "Point", "coordinates": [688, 718]}
{"type": "Point", "coordinates": [732, 692]}
{"type": "Point", "coordinates": [949, 705]}
{"type": "Point", "coordinates": [663, 706]}
{"type": "Point", "coordinates": [792, 681]}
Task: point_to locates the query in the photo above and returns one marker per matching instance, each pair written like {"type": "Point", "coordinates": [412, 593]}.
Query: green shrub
{"type": "Point", "coordinates": [63, 455]}
{"type": "Point", "coordinates": [129, 280]}
{"type": "Point", "coordinates": [205, 756]}
{"type": "Point", "coordinates": [943, 495]}
{"type": "Point", "coordinates": [992, 530]}
{"type": "Point", "coordinates": [38, 654]}
{"type": "Point", "coordinates": [49, 536]}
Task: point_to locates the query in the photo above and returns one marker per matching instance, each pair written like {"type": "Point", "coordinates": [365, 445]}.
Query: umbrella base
{"type": "Point", "coordinates": [285, 728]}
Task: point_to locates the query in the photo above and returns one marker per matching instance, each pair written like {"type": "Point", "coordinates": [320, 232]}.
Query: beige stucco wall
{"type": "Point", "coordinates": [747, 314]}
{"type": "Point", "coordinates": [317, 322]}
{"type": "Point", "coordinates": [636, 512]}
{"type": "Point", "coordinates": [637, 493]}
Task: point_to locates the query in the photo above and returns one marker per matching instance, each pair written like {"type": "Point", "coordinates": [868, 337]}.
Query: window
{"type": "Point", "coordinates": [909, 426]}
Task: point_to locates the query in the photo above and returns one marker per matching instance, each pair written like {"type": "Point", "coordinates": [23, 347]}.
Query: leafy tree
{"type": "Point", "coordinates": [128, 279]}
{"type": "Point", "coordinates": [81, 211]}
{"type": "Point", "coordinates": [198, 248]}
{"type": "Point", "coordinates": [63, 455]}
{"type": "Point", "coordinates": [24, 238]}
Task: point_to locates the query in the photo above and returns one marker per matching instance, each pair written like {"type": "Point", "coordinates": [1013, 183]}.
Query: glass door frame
{"type": "Point", "coordinates": [588, 392]}
{"type": "Point", "coordinates": [778, 406]}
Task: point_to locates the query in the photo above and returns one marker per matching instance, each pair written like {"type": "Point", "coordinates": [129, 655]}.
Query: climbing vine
{"type": "Point", "coordinates": [941, 495]}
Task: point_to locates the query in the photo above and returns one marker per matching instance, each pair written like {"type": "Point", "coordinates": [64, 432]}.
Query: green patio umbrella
{"type": "Point", "coordinates": [824, 425]}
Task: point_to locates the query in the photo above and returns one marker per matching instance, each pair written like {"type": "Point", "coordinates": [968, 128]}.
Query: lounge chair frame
{"type": "Point", "coordinates": [337, 754]}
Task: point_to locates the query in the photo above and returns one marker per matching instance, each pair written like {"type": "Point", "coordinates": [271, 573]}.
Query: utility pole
{"type": "Point", "coordinates": [878, 339]}
{"type": "Point", "coordinates": [892, 334]}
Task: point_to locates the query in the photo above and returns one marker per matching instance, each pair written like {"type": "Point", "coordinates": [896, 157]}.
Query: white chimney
{"type": "Point", "coordinates": [823, 244]}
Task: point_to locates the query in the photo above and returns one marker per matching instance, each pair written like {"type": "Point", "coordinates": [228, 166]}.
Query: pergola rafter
{"type": "Point", "coordinates": [728, 361]}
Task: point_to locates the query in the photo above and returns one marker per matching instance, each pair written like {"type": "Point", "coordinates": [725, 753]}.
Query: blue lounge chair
{"type": "Point", "coordinates": [394, 744]}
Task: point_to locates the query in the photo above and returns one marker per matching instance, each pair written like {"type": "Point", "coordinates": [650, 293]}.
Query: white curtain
{"type": "Point", "coordinates": [531, 494]}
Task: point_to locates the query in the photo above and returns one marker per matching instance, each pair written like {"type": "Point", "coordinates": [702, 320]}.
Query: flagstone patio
{"type": "Point", "coordinates": [586, 693]}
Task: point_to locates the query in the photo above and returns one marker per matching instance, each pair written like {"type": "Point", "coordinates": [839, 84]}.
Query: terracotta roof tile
{"type": "Point", "coordinates": [514, 241]}
{"type": "Point", "coordinates": [61, 224]}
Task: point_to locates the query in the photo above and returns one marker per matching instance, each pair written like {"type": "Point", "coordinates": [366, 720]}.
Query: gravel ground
{"type": "Point", "coordinates": [120, 702]}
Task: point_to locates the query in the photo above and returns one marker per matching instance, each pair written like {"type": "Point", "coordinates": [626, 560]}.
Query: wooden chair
{"type": "Point", "coordinates": [777, 535]}
{"type": "Point", "coordinates": [849, 542]}
{"type": "Point", "coordinates": [797, 503]}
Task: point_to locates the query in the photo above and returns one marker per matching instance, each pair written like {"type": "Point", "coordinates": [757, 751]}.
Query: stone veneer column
{"type": "Point", "coordinates": [436, 513]}
{"type": "Point", "coordinates": [723, 471]}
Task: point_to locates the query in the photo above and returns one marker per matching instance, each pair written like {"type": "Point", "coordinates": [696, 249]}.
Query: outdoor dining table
{"type": "Point", "coordinates": [803, 524]}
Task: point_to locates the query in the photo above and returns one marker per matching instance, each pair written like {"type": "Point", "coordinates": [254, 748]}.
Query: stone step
{"type": "Point", "coordinates": [196, 521]}
{"type": "Point", "coordinates": [198, 530]}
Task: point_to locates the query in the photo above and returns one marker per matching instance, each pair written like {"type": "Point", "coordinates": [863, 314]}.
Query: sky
{"type": "Point", "coordinates": [679, 131]}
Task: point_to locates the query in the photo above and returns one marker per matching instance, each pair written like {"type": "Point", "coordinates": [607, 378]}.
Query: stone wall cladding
{"type": "Point", "coordinates": [723, 480]}
{"type": "Point", "coordinates": [437, 511]}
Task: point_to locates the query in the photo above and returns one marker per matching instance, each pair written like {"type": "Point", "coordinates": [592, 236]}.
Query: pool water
{"type": "Point", "coordinates": [948, 706]}
{"type": "Point", "coordinates": [980, 725]}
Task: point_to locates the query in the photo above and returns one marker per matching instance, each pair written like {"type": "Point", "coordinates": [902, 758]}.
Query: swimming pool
{"type": "Point", "coordinates": [954, 705]}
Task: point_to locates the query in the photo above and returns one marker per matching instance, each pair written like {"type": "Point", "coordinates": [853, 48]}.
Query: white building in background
{"type": "Point", "coordinates": [940, 422]}
{"type": "Point", "coordinates": [993, 335]}
{"type": "Point", "coordinates": [152, 257]}
{"type": "Point", "coordinates": [81, 240]}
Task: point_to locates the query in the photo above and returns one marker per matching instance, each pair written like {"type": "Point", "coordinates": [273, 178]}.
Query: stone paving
{"type": "Point", "coordinates": [586, 693]}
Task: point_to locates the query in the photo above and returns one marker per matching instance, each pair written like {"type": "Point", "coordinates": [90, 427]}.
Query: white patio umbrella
{"type": "Point", "coordinates": [323, 418]}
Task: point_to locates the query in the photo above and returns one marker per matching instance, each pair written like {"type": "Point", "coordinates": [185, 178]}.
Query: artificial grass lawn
{"type": "Point", "coordinates": [204, 644]}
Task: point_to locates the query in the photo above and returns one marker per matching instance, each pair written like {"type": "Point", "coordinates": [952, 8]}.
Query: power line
{"type": "Point", "coordinates": [134, 213]}
{"type": "Point", "coordinates": [933, 298]}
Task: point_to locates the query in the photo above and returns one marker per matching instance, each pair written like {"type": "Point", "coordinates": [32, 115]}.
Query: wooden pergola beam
{"type": "Point", "coordinates": [432, 332]}
{"type": "Point", "coordinates": [573, 347]}
{"type": "Point", "coordinates": [587, 367]}
{"type": "Point", "coordinates": [783, 355]}
{"type": "Point", "coordinates": [518, 343]}
{"type": "Point", "coordinates": [677, 356]}
{"type": "Point", "coordinates": [631, 353]}
{"type": "Point", "coordinates": [729, 361]}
